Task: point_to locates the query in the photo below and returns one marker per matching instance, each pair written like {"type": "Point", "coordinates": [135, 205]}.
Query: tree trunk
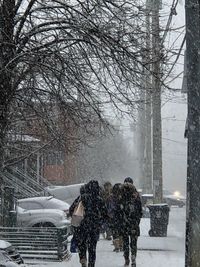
{"type": "Point", "coordinates": [7, 50]}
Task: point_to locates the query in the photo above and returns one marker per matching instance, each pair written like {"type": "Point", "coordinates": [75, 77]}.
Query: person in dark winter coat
{"type": "Point", "coordinates": [115, 215]}
{"type": "Point", "coordinates": [106, 194]}
{"type": "Point", "coordinates": [132, 212]}
{"type": "Point", "coordinates": [89, 229]}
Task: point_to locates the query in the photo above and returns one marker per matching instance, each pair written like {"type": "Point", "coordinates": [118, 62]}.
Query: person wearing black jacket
{"type": "Point", "coordinates": [131, 208]}
{"type": "Point", "coordinates": [88, 232]}
{"type": "Point", "coordinates": [115, 215]}
{"type": "Point", "coordinates": [106, 195]}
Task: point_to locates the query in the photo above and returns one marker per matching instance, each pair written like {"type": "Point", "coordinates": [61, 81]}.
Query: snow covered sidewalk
{"type": "Point", "coordinates": [152, 251]}
{"type": "Point", "coordinates": [107, 258]}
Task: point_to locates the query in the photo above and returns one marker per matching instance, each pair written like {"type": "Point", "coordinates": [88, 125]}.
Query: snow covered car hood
{"type": "Point", "coordinates": [4, 244]}
{"type": "Point", "coordinates": [42, 211]}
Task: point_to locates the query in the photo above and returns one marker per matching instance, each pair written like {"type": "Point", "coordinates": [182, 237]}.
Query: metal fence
{"type": "Point", "coordinates": [49, 243]}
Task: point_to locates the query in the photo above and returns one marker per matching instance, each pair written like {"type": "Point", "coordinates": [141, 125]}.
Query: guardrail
{"type": "Point", "coordinates": [49, 243]}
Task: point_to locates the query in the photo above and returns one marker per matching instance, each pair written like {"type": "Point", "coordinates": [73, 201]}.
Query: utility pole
{"type": "Point", "coordinates": [156, 104]}
{"type": "Point", "coordinates": [141, 134]}
{"type": "Point", "coordinates": [145, 113]}
{"type": "Point", "coordinates": [147, 186]}
{"type": "Point", "coordinates": [192, 258]}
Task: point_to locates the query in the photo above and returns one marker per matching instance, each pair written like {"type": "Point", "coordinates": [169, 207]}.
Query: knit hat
{"type": "Point", "coordinates": [128, 180]}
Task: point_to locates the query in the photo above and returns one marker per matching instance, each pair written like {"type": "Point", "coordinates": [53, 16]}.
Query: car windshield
{"type": "Point", "coordinates": [58, 204]}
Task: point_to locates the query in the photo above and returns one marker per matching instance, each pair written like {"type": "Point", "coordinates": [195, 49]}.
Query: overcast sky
{"type": "Point", "coordinates": [174, 112]}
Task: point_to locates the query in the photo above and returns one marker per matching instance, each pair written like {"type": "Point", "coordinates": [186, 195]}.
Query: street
{"type": "Point", "coordinates": [153, 251]}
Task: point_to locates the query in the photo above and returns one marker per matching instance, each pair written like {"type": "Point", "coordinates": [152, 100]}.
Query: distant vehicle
{"type": "Point", "coordinates": [146, 199]}
{"type": "Point", "coordinates": [6, 261]}
{"type": "Point", "coordinates": [66, 193]}
{"type": "Point", "coordinates": [11, 251]}
{"type": "Point", "coordinates": [171, 200]}
{"type": "Point", "coordinates": [41, 218]}
{"type": "Point", "coordinates": [36, 203]}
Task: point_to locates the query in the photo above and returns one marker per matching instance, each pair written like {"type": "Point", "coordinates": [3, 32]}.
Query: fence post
{"type": "Point", "coordinates": [9, 218]}
{"type": "Point", "coordinates": [60, 243]}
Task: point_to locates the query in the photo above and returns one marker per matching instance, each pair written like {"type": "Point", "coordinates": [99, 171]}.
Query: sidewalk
{"type": "Point", "coordinates": [152, 251]}
{"type": "Point", "coordinates": [107, 258]}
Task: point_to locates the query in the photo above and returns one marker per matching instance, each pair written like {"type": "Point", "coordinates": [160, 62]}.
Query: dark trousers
{"type": "Point", "coordinates": [129, 243]}
{"type": "Point", "coordinates": [88, 243]}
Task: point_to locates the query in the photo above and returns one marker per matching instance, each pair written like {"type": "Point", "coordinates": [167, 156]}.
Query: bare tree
{"type": "Point", "coordinates": [79, 55]}
{"type": "Point", "coordinates": [68, 59]}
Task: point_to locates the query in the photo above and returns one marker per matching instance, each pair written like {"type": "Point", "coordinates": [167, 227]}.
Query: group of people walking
{"type": "Point", "coordinates": [115, 209]}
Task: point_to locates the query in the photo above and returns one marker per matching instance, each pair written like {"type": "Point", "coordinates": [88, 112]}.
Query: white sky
{"type": "Point", "coordinates": [174, 112]}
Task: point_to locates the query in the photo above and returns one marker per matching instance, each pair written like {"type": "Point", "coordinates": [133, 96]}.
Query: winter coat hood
{"type": "Point", "coordinates": [92, 188]}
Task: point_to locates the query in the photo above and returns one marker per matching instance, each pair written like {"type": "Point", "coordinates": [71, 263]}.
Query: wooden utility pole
{"type": "Point", "coordinates": [147, 185]}
{"type": "Point", "coordinates": [193, 177]}
{"type": "Point", "coordinates": [141, 135]}
{"type": "Point", "coordinates": [156, 104]}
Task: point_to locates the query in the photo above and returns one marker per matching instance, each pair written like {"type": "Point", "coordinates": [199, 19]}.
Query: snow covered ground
{"type": "Point", "coordinates": [152, 251]}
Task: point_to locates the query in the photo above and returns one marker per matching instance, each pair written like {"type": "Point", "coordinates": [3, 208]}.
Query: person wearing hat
{"type": "Point", "coordinates": [128, 180]}
{"type": "Point", "coordinates": [94, 212]}
{"type": "Point", "coordinates": [131, 208]}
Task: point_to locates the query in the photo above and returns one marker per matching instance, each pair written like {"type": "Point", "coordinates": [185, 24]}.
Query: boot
{"type": "Point", "coordinates": [108, 235]}
{"type": "Point", "coordinates": [91, 264]}
{"type": "Point", "coordinates": [127, 262]}
{"type": "Point", "coordinates": [83, 262]}
{"type": "Point", "coordinates": [133, 261]}
{"type": "Point", "coordinates": [116, 245]}
{"type": "Point", "coordinates": [120, 243]}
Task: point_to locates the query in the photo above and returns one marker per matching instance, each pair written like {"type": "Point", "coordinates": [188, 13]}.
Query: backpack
{"type": "Point", "coordinates": [78, 214]}
{"type": "Point", "coordinates": [129, 211]}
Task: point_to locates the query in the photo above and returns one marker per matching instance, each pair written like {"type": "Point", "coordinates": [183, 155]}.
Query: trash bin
{"type": "Point", "coordinates": [159, 218]}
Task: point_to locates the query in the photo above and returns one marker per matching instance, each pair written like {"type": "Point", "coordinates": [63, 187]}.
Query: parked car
{"type": "Point", "coordinates": [6, 261]}
{"type": "Point", "coordinates": [66, 193]}
{"type": "Point", "coordinates": [49, 202]}
{"type": "Point", "coordinates": [41, 218]}
{"type": "Point", "coordinates": [11, 251]}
